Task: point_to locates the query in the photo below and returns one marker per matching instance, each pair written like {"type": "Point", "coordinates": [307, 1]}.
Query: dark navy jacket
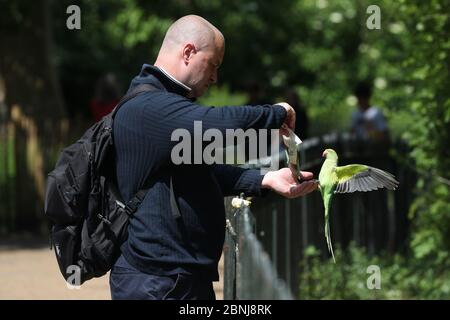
{"type": "Point", "coordinates": [158, 243]}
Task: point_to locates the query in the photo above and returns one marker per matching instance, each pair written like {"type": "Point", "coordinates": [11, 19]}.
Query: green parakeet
{"type": "Point", "coordinates": [350, 178]}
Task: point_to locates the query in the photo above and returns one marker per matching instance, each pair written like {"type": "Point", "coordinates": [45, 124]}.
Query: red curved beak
{"type": "Point", "coordinates": [324, 154]}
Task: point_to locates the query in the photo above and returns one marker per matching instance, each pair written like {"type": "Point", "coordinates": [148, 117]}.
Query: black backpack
{"type": "Point", "coordinates": [89, 218]}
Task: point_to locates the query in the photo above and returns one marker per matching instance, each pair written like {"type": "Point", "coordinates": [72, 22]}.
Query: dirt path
{"type": "Point", "coordinates": [28, 270]}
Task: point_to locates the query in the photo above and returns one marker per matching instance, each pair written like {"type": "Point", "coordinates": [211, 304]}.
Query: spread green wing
{"type": "Point", "coordinates": [358, 177]}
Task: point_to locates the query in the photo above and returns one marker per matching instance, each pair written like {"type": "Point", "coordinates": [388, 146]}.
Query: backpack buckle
{"type": "Point", "coordinates": [132, 206]}
{"type": "Point", "coordinates": [120, 204]}
{"type": "Point", "coordinates": [128, 210]}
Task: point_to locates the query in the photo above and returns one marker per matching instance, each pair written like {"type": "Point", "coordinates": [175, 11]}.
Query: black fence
{"type": "Point", "coordinates": [280, 229]}
{"type": "Point", "coordinates": [249, 272]}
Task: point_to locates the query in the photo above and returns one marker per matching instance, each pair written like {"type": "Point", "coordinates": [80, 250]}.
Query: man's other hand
{"type": "Point", "coordinates": [282, 182]}
{"type": "Point", "coordinates": [290, 117]}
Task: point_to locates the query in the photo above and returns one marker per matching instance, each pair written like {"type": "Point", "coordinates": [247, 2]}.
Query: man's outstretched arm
{"type": "Point", "coordinates": [234, 180]}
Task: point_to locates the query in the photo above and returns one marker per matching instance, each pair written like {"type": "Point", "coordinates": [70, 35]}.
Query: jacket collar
{"type": "Point", "coordinates": [168, 82]}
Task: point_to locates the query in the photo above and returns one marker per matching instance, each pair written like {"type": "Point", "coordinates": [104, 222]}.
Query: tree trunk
{"type": "Point", "coordinates": [34, 102]}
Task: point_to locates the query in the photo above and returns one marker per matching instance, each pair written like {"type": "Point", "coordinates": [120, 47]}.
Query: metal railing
{"type": "Point", "coordinates": [249, 272]}
{"type": "Point", "coordinates": [279, 230]}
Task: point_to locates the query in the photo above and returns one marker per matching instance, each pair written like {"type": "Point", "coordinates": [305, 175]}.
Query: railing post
{"type": "Point", "coordinates": [274, 236]}
{"type": "Point", "coordinates": [287, 233]}
{"type": "Point", "coordinates": [304, 202]}
{"type": "Point", "coordinates": [229, 284]}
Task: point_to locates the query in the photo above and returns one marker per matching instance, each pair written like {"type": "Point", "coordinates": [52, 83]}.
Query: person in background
{"type": "Point", "coordinates": [368, 122]}
{"type": "Point", "coordinates": [107, 95]}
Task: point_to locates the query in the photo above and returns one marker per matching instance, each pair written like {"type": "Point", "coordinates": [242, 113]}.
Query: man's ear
{"type": "Point", "coordinates": [188, 52]}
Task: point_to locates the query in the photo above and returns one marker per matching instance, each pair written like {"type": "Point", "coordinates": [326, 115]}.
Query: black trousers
{"type": "Point", "coordinates": [127, 283]}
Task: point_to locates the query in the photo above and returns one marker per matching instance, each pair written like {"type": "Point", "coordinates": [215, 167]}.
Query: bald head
{"type": "Point", "coordinates": [191, 29]}
{"type": "Point", "coordinates": [192, 52]}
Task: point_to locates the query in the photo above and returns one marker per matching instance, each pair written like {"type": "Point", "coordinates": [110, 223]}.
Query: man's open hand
{"type": "Point", "coordinates": [282, 182]}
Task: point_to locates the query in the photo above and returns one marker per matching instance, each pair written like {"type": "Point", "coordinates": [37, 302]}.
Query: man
{"type": "Point", "coordinates": [368, 122]}
{"type": "Point", "coordinates": [168, 256]}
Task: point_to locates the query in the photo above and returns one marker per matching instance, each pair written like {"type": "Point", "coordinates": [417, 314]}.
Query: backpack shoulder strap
{"type": "Point", "coordinates": [145, 87]}
{"type": "Point", "coordinates": [135, 202]}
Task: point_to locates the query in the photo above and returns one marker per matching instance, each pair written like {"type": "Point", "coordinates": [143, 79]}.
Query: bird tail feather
{"type": "Point", "coordinates": [328, 236]}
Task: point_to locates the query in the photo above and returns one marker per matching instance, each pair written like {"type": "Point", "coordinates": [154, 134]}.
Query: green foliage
{"type": "Point", "coordinates": [409, 61]}
{"type": "Point", "coordinates": [221, 96]}
{"type": "Point", "coordinates": [401, 278]}
{"type": "Point", "coordinates": [426, 72]}
{"type": "Point", "coordinates": [115, 37]}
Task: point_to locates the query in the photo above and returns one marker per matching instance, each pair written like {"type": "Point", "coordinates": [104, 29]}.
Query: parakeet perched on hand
{"type": "Point", "coordinates": [350, 178]}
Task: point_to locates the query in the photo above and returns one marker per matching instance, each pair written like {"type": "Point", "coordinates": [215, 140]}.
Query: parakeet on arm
{"type": "Point", "coordinates": [345, 179]}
